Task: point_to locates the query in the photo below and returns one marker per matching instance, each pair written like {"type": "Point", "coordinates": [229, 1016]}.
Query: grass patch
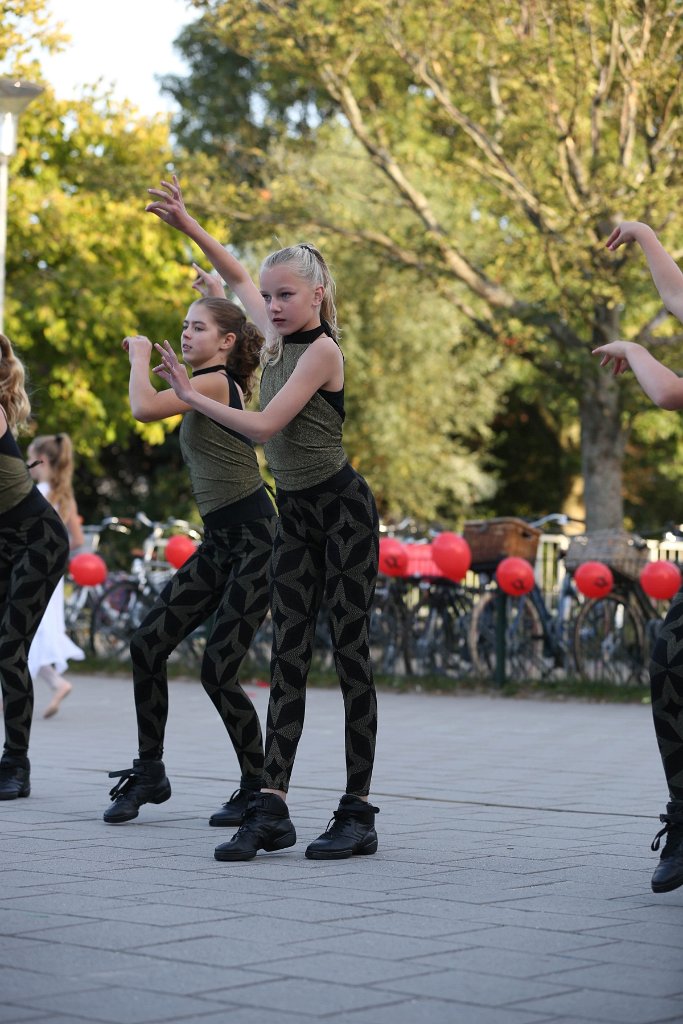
{"type": "Point", "coordinates": [326, 678]}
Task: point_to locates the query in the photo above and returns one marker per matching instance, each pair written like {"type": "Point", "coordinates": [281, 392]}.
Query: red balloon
{"type": "Point", "coordinates": [178, 549]}
{"type": "Point", "coordinates": [88, 569]}
{"type": "Point", "coordinates": [421, 562]}
{"type": "Point", "coordinates": [515, 576]}
{"type": "Point", "coordinates": [393, 557]}
{"type": "Point", "coordinates": [452, 554]}
{"type": "Point", "coordinates": [660, 580]}
{"type": "Point", "coordinates": [594, 579]}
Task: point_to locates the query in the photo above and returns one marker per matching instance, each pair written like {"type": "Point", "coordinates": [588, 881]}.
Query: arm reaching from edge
{"type": "Point", "coordinates": [666, 273]}
{"type": "Point", "coordinates": [657, 381]}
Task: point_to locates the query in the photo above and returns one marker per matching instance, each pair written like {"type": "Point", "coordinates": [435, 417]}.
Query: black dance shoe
{"type": "Point", "coordinates": [232, 812]}
{"type": "Point", "coordinates": [351, 831]}
{"type": "Point", "coordinates": [669, 872]}
{"type": "Point", "coordinates": [15, 777]}
{"type": "Point", "coordinates": [144, 783]}
{"type": "Point", "coordinates": [266, 826]}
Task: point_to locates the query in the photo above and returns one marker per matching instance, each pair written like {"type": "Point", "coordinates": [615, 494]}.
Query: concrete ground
{"type": "Point", "coordinates": [511, 886]}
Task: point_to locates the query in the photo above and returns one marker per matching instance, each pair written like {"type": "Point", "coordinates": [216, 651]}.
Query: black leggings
{"type": "Point", "coordinates": [326, 545]}
{"type": "Point", "coordinates": [33, 558]}
{"type": "Point", "coordinates": [666, 685]}
{"type": "Point", "coordinates": [228, 575]}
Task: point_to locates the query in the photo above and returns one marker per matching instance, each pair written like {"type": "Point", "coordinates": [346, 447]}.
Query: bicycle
{"type": "Point", "coordinates": [439, 619]}
{"type": "Point", "coordinates": [392, 613]}
{"type": "Point", "coordinates": [123, 605]}
{"type": "Point", "coordinates": [80, 600]}
{"type": "Point", "coordinates": [614, 634]}
{"type": "Point", "coordinates": [537, 638]}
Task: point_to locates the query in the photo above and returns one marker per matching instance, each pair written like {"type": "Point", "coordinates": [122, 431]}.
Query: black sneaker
{"type": "Point", "coordinates": [144, 783]}
{"type": "Point", "coordinates": [669, 872]}
{"type": "Point", "coordinates": [232, 812]}
{"type": "Point", "coordinates": [15, 777]}
{"type": "Point", "coordinates": [351, 831]}
{"type": "Point", "coordinates": [266, 826]}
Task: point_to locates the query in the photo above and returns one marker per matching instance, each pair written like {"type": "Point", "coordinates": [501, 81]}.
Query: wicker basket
{"type": "Point", "coordinates": [490, 540]}
{"type": "Point", "coordinates": [625, 553]}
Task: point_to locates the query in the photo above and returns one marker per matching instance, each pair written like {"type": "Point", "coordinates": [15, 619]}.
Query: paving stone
{"type": "Point", "coordinates": [504, 890]}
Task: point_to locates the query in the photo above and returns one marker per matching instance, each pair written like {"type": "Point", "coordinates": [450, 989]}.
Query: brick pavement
{"type": "Point", "coordinates": [511, 885]}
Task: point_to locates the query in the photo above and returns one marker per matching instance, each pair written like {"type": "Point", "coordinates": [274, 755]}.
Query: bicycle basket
{"type": "Point", "coordinates": [626, 553]}
{"type": "Point", "coordinates": [490, 540]}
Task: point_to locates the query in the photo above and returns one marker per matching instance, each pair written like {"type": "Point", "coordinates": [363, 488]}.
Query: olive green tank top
{"type": "Point", "coordinates": [221, 463]}
{"type": "Point", "coordinates": [309, 449]}
{"type": "Point", "coordinates": [15, 479]}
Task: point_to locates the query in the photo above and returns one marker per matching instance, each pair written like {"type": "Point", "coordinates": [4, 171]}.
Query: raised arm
{"type": "Point", "coordinates": [666, 273]}
{"type": "Point", "coordinates": [146, 403]}
{"type": "Point", "coordinates": [319, 367]}
{"type": "Point", "coordinates": [658, 382]}
{"type": "Point", "coordinates": [170, 207]}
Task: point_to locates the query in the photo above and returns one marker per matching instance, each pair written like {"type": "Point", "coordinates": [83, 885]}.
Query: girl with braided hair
{"type": "Point", "coordinates": [327, 536]}
{"type": "Point", "coordinates": [226, 577]}
{"type": "Point", "coordinates": [34, 549]}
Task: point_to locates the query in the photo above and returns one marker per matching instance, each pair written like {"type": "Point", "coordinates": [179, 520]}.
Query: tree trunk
{"type": "Point", "coordinates": [602, 437]}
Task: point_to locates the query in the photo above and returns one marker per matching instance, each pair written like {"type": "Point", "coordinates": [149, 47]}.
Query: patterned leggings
{"type": "Point", "coordinates": [666, 685]}
{"type": "Point", "coordinates": [33, 558]}
{"type": "Point", "coordinates": [228, 575]}
{"type": "Point", "coordinates": [326, 544]}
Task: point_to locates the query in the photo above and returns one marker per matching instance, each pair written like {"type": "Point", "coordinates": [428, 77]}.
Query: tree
{"type": "Point", "coordinates": [512, 136]}
{"type": "Point", "coordinates": [85, 267]}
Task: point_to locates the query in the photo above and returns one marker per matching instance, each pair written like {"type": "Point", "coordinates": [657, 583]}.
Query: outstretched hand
{"type": "Point", "coordinates": [623, 233]}
{"type": "Point", "coordinates": [616, 352]}
{"type": "Point", "coordinates": [173, 372]}
{"type": "Point", "coordinates": [207, 284]}
{"type": "Point", "coordinates": [170, 206]}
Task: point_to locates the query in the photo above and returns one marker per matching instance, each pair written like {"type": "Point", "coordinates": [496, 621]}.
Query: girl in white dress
{"type": "Point", "coordinates": [51, 465]}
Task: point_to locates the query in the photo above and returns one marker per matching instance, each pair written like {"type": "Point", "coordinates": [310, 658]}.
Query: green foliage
{"type": "Point", "coordinates": [25, 24]}
{"type": "Point", "coordinates": [510, 138]}
{"type": "Point", "coordinates": [85, 267]}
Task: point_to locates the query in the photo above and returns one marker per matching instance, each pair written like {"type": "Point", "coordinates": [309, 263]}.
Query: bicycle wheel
{"type": "Point", "coordinates": [116, 616]}
{"type": "Point", "coordinates": [78, 606]}
{"type": "Point", "coordinates": [609, 642]}
{"type": "Point", "coordinates": [390, 639]}
{"type": "Point", "coordinates": [441, 625]}
{"type": "Point", "coordinates": [524, 659]}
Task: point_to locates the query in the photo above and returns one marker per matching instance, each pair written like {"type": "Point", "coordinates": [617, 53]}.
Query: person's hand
{"type": "Point", "coordinates": [627, 231]}
{"type": "Point", "coordinates": [207, 284]}
{"type": "Point", "coordinates": [137, 346]}
{"type": "Point", "coordinates": [170, 206]}
{"type": "Point", "coordinates": [616, 352]}
{"type": "Point", "coordinates": [173, 372]}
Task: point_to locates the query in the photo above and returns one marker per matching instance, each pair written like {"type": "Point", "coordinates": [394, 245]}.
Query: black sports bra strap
{"type": "Point", "coordinates": [235, 400]}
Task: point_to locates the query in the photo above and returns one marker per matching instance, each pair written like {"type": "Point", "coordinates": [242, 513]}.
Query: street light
{"type": "Point", "coordinates": [15, 96]}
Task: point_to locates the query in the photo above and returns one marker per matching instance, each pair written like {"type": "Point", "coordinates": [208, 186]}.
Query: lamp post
{"type": "Point", "coordinates": [15, 96]}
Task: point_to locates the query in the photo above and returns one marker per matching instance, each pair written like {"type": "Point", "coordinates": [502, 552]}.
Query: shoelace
{"type": "Point", "coordinates": [251, 812]}
{"type": "Point", "coordinates": [126, 779]}
{"type": "Point", "coordinates": [235, 794]}
{"type": "Point", "coordinates": [672, 822]}
{"type": "Point", "coordinates": [345, 814]}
